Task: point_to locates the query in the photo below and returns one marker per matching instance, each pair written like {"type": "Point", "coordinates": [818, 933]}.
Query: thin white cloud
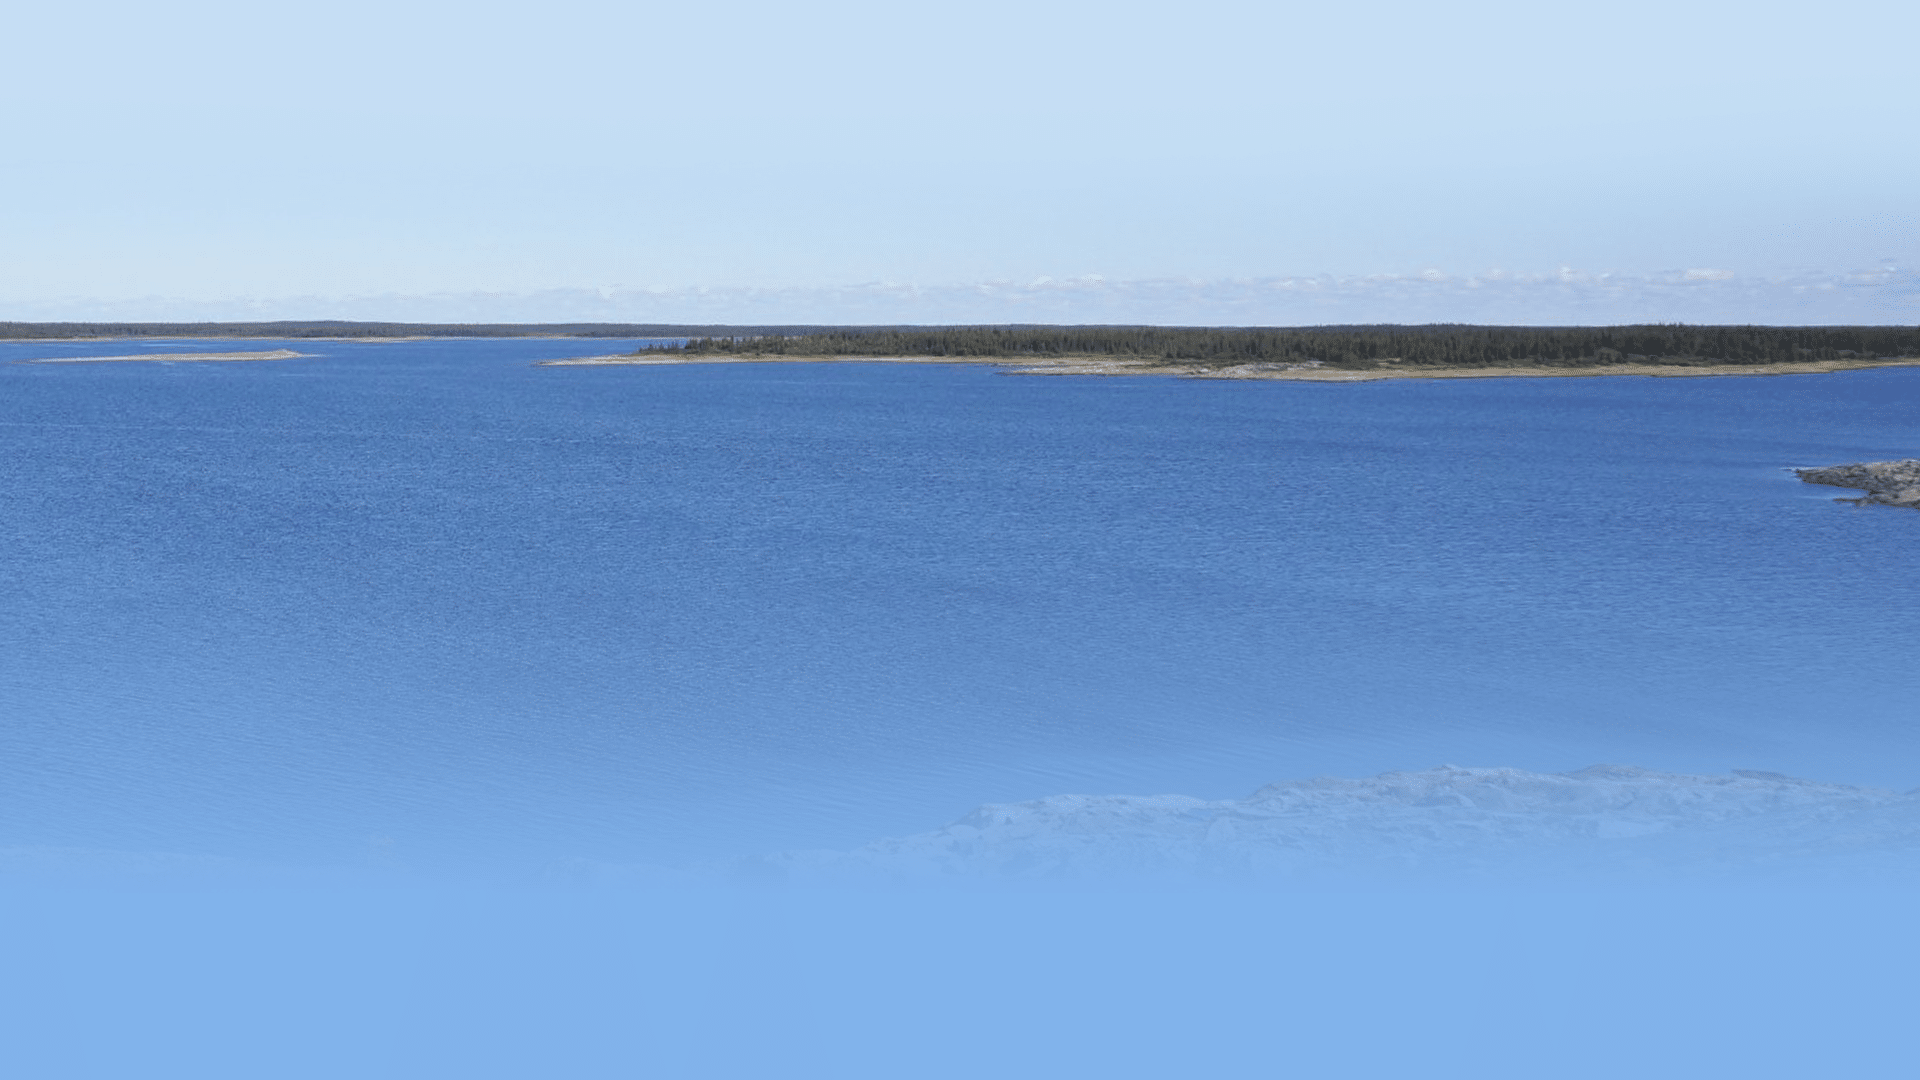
{"type": "Point", "coordinates": [1567, 295]}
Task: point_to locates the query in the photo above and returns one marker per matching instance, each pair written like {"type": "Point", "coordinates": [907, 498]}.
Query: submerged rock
{"type": "Point", "coordinates": [1887, 483]}
{"type": "Point", "coordinates": [1604, 821]}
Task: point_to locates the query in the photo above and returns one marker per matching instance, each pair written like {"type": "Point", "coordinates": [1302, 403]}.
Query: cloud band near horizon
{"type": "Point", "coordinates": [1886, 295]}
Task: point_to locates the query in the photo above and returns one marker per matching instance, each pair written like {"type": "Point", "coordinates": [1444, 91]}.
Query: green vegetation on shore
{"type": "Point", "coordinates": [1346, 347]}
{"type": "Point", "coordinates": [1359, 348]}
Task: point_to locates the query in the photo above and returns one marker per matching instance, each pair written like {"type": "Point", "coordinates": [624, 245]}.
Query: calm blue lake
{"type": "Point", "coordinates": [427, 605]}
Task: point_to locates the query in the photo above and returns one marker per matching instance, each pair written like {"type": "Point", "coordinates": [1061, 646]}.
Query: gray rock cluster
{"type": "Point", "coordinates": [1887, 483]}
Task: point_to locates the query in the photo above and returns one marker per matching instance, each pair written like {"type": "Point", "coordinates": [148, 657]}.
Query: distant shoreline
{"type": "Point", "coordinates": [256, 337]}
{"type": "Point", "coordinates": [1106, 365]}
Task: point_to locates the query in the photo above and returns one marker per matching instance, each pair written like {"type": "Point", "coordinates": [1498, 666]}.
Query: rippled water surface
{"type": "Point", "coordinates": [426, 604]}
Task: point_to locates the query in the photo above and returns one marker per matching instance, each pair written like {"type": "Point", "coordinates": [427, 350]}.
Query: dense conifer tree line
{"type": "Point", "coordinates": [1354, 347]}
{"type": "Point", "coordinates": [1357, 347]}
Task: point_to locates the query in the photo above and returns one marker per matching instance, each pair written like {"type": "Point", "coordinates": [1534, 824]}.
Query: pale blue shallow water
{"type": "Point", "coordinates": [1451, 987]}
{"type": "Point", "coordinates": [429, 602]}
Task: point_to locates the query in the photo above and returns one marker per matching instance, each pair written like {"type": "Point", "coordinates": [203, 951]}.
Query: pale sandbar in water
{"type": "Point", "coordinates": [276, 354]}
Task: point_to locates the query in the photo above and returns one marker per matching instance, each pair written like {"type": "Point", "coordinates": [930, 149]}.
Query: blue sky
{"type": "Point", "coordinates": [1204, 162]}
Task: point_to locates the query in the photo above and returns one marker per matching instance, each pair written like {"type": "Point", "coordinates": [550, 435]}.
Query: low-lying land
{"type": "Point", "coordinates": [1311, 372]}
{"type": "Point", "coordinates": [340, 329]}
{"type": "Point", "coordinates": [1340, 353]}
{"type": "Point", "coordinates": [1319, 353]}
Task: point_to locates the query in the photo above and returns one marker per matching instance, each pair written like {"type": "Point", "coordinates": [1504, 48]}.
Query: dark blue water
{"type": "Point", "coordinates": [429, 605]}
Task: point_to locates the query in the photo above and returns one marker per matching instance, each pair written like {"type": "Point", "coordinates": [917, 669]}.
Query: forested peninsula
{"type": "Point", "coordinates": [1377, 351]}
{"type": "Point", "coordinates": [1447, 350]}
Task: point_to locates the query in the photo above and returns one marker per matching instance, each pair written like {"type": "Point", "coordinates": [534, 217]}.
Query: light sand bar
{"type": "Point", "coordinates": [276, 354]}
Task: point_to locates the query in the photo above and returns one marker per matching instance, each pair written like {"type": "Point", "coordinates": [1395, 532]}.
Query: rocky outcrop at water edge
{"type": "Point", "coordinates": [1887, 483]}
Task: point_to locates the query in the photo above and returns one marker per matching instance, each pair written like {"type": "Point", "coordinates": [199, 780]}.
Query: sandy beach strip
{"type": "Point", "coordinates": [276, 354]}
{"type": "Point", "coordinates": [1105, 365]}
